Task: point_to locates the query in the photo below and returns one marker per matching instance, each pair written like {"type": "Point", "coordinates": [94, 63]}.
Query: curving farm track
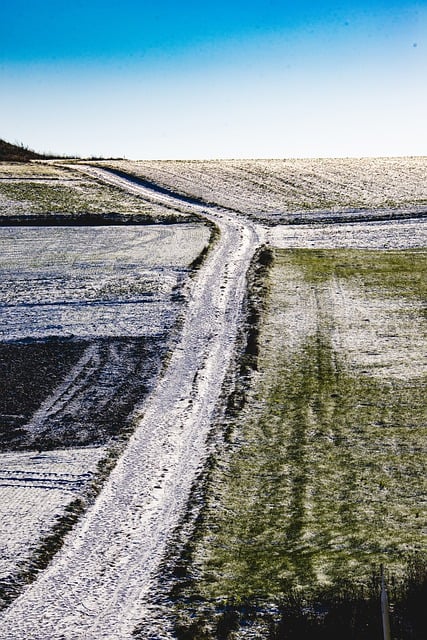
{"type": "Point", "coordinates": [96, 587]}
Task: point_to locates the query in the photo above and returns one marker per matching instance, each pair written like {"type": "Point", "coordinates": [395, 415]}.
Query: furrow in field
{"type": "Point", "coordinates": [295, 190]}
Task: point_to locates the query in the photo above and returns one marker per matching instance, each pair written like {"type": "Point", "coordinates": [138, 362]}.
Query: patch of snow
{"type": "Point", "coordinates": [382, 336]}
{"type": "Point", "coordinates": [93, 281]}
{"type": "Point", "coordinates": [402, 234]}
{"type": "Point", "coordinates": [35, 488]}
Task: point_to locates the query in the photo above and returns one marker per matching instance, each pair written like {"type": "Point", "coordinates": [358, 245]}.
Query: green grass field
{"type": "Point", "coordinates": [324, 477]}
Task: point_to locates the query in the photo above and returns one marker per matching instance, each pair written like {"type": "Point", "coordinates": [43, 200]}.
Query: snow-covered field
{"type": "Point", "coordinates": [86, 318]}
{"type": "Point", "coordinates": [277, 191]}
{"type": "Point", "coordinates": [404, 234]}
{"type": "Point", "coordinates": [34, 489]}
{"type": "Point", "coordinates": [103, 582]}
{"type": "Point", "coordinates": [92, 282]}
{"type": "Point", "coordinates": [98, 584]}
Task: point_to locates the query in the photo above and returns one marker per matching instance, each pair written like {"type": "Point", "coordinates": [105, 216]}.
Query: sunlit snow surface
{"type": "Point", "coordinates": [91, 282]}
{"type": "Point", "coordinates": [34, 489]}
{"type": "Point", "coordinates": [294, 191]}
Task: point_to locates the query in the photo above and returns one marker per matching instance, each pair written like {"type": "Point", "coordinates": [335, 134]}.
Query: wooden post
{"type": "Point", "coordinates": [385, 608]}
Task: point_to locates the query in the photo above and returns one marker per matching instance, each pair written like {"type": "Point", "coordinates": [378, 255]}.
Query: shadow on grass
{"type": "Point", "coordinates": [339, 614]}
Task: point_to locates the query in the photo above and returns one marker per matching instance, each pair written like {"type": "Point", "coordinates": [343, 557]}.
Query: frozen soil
{"type": "Point", "coordinates": [81, 393]}
{"type": "Point", "coordinates": [53, 360]}
{"type": "Point", "coordinates": [105, 581]}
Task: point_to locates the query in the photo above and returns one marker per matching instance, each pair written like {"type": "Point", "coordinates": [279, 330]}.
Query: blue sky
{"type": "Point", "coordinates": [215, 79]}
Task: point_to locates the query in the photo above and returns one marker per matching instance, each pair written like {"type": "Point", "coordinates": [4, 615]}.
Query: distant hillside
{"type": "Point", "coordinates": [17, 153]}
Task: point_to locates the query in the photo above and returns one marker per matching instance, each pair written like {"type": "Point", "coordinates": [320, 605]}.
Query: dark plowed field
{"type": "Point", "coordinates": [61, 393]}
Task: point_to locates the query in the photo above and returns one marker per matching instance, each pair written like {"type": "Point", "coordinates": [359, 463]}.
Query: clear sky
{"type": "Point", "coordinates": [215, 79]}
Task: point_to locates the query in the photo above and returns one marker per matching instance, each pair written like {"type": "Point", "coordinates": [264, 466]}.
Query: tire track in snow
{"type": "Point", "coordinates": [88, 364]}
{"type": "Point", "coordinates": [95, 586]}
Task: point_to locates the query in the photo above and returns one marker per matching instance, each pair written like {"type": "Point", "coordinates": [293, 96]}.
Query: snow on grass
{"type": "Point", "coordinates": [273, 190]}
{"type": "Point", "coordinates": [31, 170]}
{"type": "Point", "coordinates": [378, 303]}
{"type": "Point", "coordinates": [323, 476]}
{"type": "Point", "coordinates": [93, 281]}
{"type": "Point", "coordinates": [36, 188]}
{"type": "Point", "coordinates": [383, 336]}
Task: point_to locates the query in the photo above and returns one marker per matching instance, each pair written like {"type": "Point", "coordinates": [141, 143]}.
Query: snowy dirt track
{"type": "Point", "coordinates": [97, 586]}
